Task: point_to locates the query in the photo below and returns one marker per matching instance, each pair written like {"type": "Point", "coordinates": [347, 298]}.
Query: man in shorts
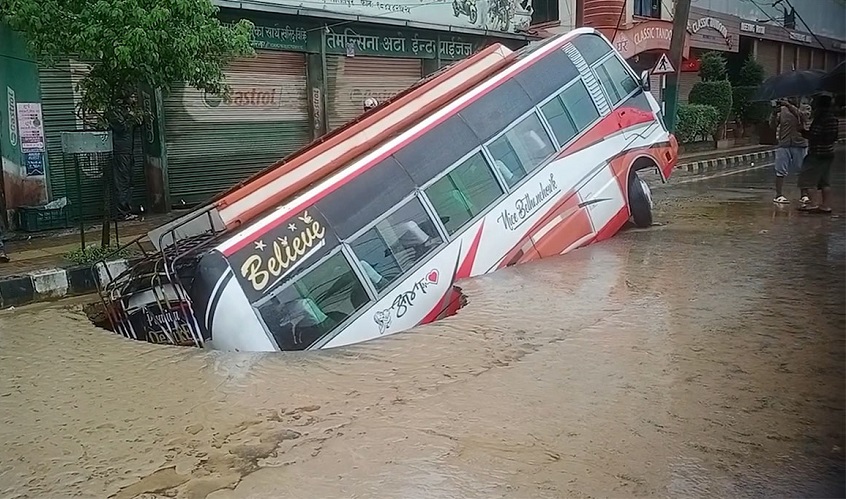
{"type": "Point", "coordinates": [816, 169]}
{"type": "Point", "coordinates": [789, 123]}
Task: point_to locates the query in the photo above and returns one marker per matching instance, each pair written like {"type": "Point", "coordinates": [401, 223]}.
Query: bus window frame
{"type": "Point", "coordinates": [358, 272]}
{"type": "Point", "coordinates": [348, 242]}
{"type": "Point", "coordinates": [590, 125]}
{"type": "Point", "coordinates": [626, 68]}
{"type": "Point", "coordinates": [543, 164]}
{"type": "Point", "coordinates": [447, 171]}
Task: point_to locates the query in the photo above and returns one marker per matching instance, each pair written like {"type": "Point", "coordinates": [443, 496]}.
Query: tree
{"type": "Point", "coordinates": [712, 67]}
{"type": "Point", "coordinates": [714, 89]}
{"type": "Point", "coordinates": [130, 44]}
{"type": "Point", "coordinates": [748, 79]}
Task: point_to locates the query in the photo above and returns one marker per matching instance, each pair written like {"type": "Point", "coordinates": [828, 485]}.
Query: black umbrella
{"type": "Point", "coordinates": [835, 80]}
{"type": "Point", "coordinates": [792, 84]}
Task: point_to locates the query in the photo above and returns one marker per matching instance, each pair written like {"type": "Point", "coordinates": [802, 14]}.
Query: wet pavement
{"type": "Point", "coordinates": [703, 357]}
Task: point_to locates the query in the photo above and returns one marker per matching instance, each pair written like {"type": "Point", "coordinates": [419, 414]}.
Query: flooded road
{"type": "Point", "coordinates": [700, 358]}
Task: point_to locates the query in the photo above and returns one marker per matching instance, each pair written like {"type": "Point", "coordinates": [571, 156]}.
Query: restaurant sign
{"type": "Point", "coordinates": [801, 37]}
{"type": "Point", "coordinates": [703, 30]}
{"type": "Point", "coordinates": [649, 35]}
{"type": "Point", "coordinates": [752, 28]}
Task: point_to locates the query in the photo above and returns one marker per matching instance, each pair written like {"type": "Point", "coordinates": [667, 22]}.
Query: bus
{"type": "Point", "coordinates": [504, 158]}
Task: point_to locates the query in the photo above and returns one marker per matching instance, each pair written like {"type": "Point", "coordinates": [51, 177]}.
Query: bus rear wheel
{"type": "Point", "coordinates": [640, 201]}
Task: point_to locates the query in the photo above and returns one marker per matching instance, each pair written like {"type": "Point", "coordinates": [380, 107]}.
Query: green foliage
{"type": "Point", "coordinates": [93, 253]}
{"type": "Point", "coordinates": [694, 121]}
{"type": "Point", "coordinates": [713, 93]}
{"type": "Point", "coordinates": [747, 111]}
{"type": "Point", "coordinates": [713, 67]}
{"type": "Point", "coordinates": [748, 79]}
{"type": "Point", "coordinates": [751, 74]}
{"type": "Point", "coordinates": [131, 43]}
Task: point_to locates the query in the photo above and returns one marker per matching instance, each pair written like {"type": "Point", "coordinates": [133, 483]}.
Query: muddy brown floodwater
{"type": "Point", "coordinates": [700, 358]}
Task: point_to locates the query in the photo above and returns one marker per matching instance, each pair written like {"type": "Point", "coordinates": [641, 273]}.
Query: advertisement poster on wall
{"type": "Point", "coordinates": [31, 133]}
{"type": "Point", "coordinates": [508, 16]}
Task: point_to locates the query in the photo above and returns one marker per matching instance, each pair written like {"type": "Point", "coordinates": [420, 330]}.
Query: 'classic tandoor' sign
{"type": "Point", "coordinates": [279, 254]}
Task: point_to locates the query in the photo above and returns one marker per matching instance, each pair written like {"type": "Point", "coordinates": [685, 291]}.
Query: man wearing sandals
{"type": "Point", "coordinates": [816, 169]}
{"type": "Point", "coordinates": [789, 123]}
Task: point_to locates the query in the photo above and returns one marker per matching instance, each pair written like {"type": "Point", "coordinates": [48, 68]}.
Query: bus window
{"type": "Point", "coordinates": [591, 47]}
{"type": "Point", "coordinates": [570, 112]}
{"type": "Point", "coordinates": [521, 149]}
{"type": "Point", "coordinates": [616, 81]}
{"type": "Point", "coordinates": [464, 192]}
{"type": "Point", "coordinates": [395, 244]}
{"type": "Point", "coordinates": [314, 304]}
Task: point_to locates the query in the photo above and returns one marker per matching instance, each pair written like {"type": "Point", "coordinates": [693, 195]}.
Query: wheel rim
{"type": "Point", "coordinates": [646, 191]}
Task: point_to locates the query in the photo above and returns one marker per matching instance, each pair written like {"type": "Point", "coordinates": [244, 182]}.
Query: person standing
{"type": "Point", "coordinates": [4, 258]}
{"type": "Point", "coordinates": [816, 169]}
{"type": "Point", "coordinates": [789, 123]}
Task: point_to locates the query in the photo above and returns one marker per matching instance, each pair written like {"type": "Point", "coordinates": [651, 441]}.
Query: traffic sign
{"type": "Point", "coordinates": [663, 66]}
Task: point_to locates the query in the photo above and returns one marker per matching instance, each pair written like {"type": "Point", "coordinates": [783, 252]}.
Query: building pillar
{"type": "Point", "coordinates": [316, 88]}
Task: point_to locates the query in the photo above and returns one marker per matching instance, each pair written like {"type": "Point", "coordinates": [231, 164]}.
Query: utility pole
{"type": "Point", "coordinates": [671, 95]}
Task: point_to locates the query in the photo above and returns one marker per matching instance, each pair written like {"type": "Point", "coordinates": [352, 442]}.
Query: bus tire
{"type": "Point", "coordinates": [640, 201]}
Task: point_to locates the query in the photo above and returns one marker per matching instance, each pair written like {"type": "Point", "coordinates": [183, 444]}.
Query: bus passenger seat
{"type": "Point", "coordinates": [506, 173]}
{"type": "Point", "coordinates": [375, 277]}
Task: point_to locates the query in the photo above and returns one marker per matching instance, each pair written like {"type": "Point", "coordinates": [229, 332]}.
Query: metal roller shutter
{"type": "Point", "coordinates": [655, 87]}
{"type": "Point", "coordinates": [59, 107]}
{"type": "Point", "coordinates": [353, 79]}
{"type": "Point", "coordinates": [768, 56]}
{"type": "Point", "coordinates": [212, 144]}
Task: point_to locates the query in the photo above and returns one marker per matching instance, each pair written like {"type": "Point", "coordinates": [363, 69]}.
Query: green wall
{"type": "Point", "coordinates": [18, 76]}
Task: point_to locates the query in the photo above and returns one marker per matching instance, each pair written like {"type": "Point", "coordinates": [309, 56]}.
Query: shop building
{"type": "Point", "coordinates": [775, 35]}
{"type": "Point", "coordinates": [22, 150]}
{"type": "Point", "coordinates": [312, 71]}
{"type": "Point", "coordinates": [707, 31]}
{"type": "Point", "coordinates": [310, 76]}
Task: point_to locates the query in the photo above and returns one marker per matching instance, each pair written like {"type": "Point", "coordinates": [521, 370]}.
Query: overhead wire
{"type": "Point", "coordinates": [781, 25]}
{"type": "Point", "coordinates": [806, 24]}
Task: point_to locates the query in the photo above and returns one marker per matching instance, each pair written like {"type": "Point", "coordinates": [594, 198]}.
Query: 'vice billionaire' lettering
{"type": "Point", "coordinates": [528, 204]}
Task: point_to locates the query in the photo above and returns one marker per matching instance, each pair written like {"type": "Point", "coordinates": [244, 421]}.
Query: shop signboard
{"type": "Point", "coordinates": [713, 31]}
{"type": "Point", "coordinates": [752, 28]}
{"type": "Point", "coordinates": [268, 35]}
{"type": "Point", "coordinates": [352, 41]}
{"type": "Point", "coordinates": [642, 37]}
{"type": "Point", "coordinates": [509, 16]}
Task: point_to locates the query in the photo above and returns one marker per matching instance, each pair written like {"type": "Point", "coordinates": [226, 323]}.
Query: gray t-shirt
{"type": "Point", "coordinates": [788, 128]}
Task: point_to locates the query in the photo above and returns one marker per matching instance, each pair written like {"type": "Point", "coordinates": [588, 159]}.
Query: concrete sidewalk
{"type": "Point", "coordinates": [726, 159]}
{"type": "Point", "coordinates": [39, 270]}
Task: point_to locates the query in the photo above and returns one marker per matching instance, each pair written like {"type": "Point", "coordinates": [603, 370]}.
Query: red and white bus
{"type": "Point", "coordinates": [505, 158]}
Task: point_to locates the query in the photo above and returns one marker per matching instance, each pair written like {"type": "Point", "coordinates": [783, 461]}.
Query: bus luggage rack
{"type": "Point", "coordinates": [149, 300]}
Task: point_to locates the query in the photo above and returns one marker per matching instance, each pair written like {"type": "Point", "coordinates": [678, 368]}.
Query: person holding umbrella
{"type": "Point", "coordinates": [816, 169]}
{"type": "Point", "coordinates": [789, 123]}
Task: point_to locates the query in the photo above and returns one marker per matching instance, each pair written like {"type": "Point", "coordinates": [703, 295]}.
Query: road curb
{"type": "Point", "coordinates": [726, 163]}
{"type": "Point", "coordinates": [53, 284]}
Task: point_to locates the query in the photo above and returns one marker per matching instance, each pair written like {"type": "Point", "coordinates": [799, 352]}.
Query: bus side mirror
{"type": "Point", "coordinates": [644, 81]}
